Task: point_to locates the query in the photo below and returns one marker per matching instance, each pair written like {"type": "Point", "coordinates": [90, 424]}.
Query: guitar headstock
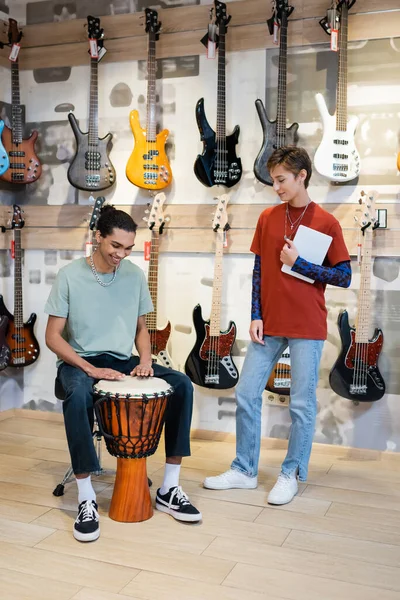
{"type": "Point", "coordinates": [220, 221]}
{"type": "Point", "coordinates": [348, 3]}
{"type": "Point", "coordinates": [95, 32]}
{"type": "Point", "coordinates": [221, 16]}
{"type": "Point", "coordinates": [283, 8]}
{"type": "Point", "coordinates": [14, 34]}
{"type": "Point", "coordinates": [156, 217]}
{"type": "Point", "coordinates": [17, 220]}
{"type": "Point", "coordinates": [153, 25]}
{"type": "Point", "coordinates": [98, 203]}
{"type": "Point", "coordinates": [368, 217]}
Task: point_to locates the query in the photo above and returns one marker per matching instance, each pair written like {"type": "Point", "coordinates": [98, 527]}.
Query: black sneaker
{"type": "Point", "coordinates": [86, 526]}
{"type": "Point", "coordinates": [176, 503]}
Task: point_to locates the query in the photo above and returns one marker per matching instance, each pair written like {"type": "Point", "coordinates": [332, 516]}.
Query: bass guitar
{"type": "Point", "coordinates": [158, 337]}
{"type": "Point", "coordinates": [218, 164]}
{"type": "Point", "coordinates": [20, 339]}
{"type": "Point", "coordinates": [279, 381]}
{"type": "Point", "coordinates": [355, 374]}
{"type": "Point", "coordinates": [210, 362]}
{"type": "Point", "coordinates": [337, 157]}
{"type": "Point", "coordinates": [4, 160]}
{"type": "Point", "coordinates": [5, 353]}
{"type": "Point", "coordinates": [24, 165]}
{"type": "Point", "coordinates": [91, 168]}
{"type": "Point", "coordinates": [275, 133]}
{"type": "Point", "coordinates": [148, 166]}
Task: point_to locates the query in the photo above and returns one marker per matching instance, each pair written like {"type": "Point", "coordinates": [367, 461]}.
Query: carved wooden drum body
{"type": "Point", "coordinates": [131, 414]}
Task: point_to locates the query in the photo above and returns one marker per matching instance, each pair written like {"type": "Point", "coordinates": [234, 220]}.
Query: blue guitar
{"type": "Point", "coordinates": [4, 161]}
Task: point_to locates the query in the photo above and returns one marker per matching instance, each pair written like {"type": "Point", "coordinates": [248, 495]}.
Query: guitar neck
{"type": "Point", "coordinates": [16, 110]}
{"type": "Point", "coordinates": [364, 297]}
{"type": "Point", "coordinates": [282, 78]}
{"type": "Point", "coordinates": [341, 94]}
{"type": "Point", "coordinates": [151, 126]}
{"type": "Point", "coordinates": [215, 318]}
{"type": "Point", "coordinates": [221, 91]}
{"type": "Point", "coordinates": [18, 300]}
{"type": "Point", "coordinates": [151, 318]}
{"type": "Point", "coordinates": [93, 103]}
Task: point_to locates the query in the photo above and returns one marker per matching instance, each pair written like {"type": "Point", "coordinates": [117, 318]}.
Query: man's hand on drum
{"type": "Point", "coordinates": [104, 374]}
{"type": "Point", "coordinates": [143, 369]}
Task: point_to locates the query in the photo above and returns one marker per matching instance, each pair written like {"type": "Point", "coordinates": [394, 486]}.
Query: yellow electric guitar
{"type": "Point", "coordinates": [398, 161]}
{"type": "Point", "coordinates": [148, 165]}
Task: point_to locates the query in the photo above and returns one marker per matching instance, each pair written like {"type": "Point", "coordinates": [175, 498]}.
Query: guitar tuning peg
{"type": "Point", "coordinates": [146, 212]}
{"type": "Point", "coordinates": [167, 219]}
{"type": "Point", "coordinates": [356, 219]}
{"type": "Point", "coordinates": [145, 219]}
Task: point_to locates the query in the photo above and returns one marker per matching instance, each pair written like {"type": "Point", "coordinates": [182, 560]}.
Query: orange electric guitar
{"type": "Point", "coordinates": [148, 166]}
{"type": "Point", "coordinates": [398, 161]}
{"type": "Point", "coordinates": [24, 163]}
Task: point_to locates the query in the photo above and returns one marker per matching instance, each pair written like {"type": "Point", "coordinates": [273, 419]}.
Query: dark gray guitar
{"type": "Point", "coordinates": [276, 134]}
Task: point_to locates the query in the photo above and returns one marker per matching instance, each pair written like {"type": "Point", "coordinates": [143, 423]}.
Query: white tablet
{"type": "Point", "coordinates": [312, 245]}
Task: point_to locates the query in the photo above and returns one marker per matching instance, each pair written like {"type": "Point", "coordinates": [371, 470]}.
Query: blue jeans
{"type": "Point", "coordinates": [78, 409]}
{"type": "Point", "coordinates": [305, 356]}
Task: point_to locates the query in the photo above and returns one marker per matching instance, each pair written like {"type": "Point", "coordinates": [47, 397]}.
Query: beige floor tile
{"type": "Point", "coordinates": [351, 497]}
{"type": "Point", "coordinates": [61, 456]}
{"type": "Point", "coordinates": [69, 569]}
{"type": "Point", "coordinates": [33, 427]}
{"type": "Point", "coordinates": [25, 534]}
{"type": "Point", "coordinates": [325, 525]}
{"type": "Point", "coordinates": [293, 586]}
{"type": "Point", "coordinates": [17, 462]}
{"type": "Point", "coordinates": [20, 511]}
{"type": "Point", "coordinates": [12, 448]}
{"type": "Point", "coordinates": [39, 496]}
{"type": "Point", "coordinates": [334, 545]}
{"type": "Point", "coordinates": [152, 586]}
{"type": "Point", "coordinates": [363, 514]}
{"type": "Point", "coordinates": [90, 594]}
{"type": "Point", "coordinates": [306, 562]}
{"type": "Point", "coordinates": [147, 556]}
{"type": "Point", "coordinates": [31, 587]}
{"type": "Point", "coordinates": [362, 483]}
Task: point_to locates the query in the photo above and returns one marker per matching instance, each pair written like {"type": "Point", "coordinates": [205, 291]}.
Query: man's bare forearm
{"type": "Point", "coordinates": [143, 345]}
{"type": "Point", "coordinates": [59, 346]}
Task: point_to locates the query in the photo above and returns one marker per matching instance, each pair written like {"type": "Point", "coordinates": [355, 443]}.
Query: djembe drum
{"type": "Point", "coordinates": [131, 413]}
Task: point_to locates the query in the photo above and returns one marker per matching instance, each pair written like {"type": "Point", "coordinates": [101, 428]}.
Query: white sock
{"type": "Point", "coordinates": [171, 478]}
{"type": "Point", "coordinates": [85, 490]}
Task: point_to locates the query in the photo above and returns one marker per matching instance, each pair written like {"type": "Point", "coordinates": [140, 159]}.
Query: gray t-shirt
{"type": "Point", "coordinates": [100, 319]}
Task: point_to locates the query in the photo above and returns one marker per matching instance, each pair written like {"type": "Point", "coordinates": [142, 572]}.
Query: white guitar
{"type": "Point", "coordinates": [337, 157]}
{"type": "Point", "coordinates": [158, 337]}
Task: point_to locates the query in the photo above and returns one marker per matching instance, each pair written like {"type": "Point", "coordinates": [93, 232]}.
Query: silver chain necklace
{"type": "Point", "coordinates": [293, 224]}
{"type": "Point", "coordinates": [96, 275]}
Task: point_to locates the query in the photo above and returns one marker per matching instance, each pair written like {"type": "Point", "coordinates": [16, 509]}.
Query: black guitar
{"type": "Point", "coordinates": [275, 133]}
{"type": "Point", "coordinates": [210, 362]}
{"type": "Point", "coordinates": [91, 168]}
{"type": "Point", "coordinates": [218, 165]}
{"type": "Point", "coordinates": [5, 352]}
{"type": "Point", "coordinates": [21, 340]}
{"type": "Point", "coordinates": [355, 374]}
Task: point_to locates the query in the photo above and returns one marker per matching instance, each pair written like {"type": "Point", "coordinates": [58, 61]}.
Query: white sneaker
{"type": "Point", "coordinates": [284, 490]}
{"type": "Point", "coordinates": [230, 479]}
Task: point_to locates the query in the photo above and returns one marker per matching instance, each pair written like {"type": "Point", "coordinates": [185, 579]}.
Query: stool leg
{"type": "Point", "coordinates": [131, 501]}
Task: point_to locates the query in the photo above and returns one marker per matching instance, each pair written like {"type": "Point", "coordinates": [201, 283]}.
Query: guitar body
{"type": "Point", "coordinates": [24, 164]}
{"type": "Point", "coordinates": [159, 341]}
{"type": "Point", "coordinates": [206, 167]}
{"type": "Point", "coordinates": [398, 161]}
{"type": "Point", "coordinates": [148, 166]}
{"type": "Point", "coordinates": [5, 353]}
{"type": "Point", "coordinates": [337, 157]}
{"type": "Point", "coordinates": [270, 143]}
{"type": "Point", "coordinates": [90, 169]}
{"type": "Point", "coordinates": [279, 381]}
{"type": "Point", "coordinates": [4, 160]}
{"type": "Point", "coordinates": [197, 363]}
{"type": "Point", "coordinates": [24, 347]}
{"type": "Point", "coordinates": [342, 375]}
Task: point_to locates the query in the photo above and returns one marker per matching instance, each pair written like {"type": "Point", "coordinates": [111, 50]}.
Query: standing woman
{"type": "Point", "coordinates": [286, 311]}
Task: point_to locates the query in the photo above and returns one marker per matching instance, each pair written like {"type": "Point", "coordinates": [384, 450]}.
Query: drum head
{"type": "Point", "coordinates": [134, 387]}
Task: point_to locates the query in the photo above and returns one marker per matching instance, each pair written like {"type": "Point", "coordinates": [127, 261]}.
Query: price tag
{"type": "Point", "coordinates": [276, 32]}
{"type": "Point", "coordinates": [212, 41]}
{"type": "Point", "coordinates": [14, 52]}
{"type": "Point", "coordinates": [88, 249]}
{"type": "Point", "coordinates": [94, 53]}
{"type": "Point", "coordinates": [12, 249]}
{"type": "Point", "coordinates": [147, 250]}
{"type": "Point", "coordinates": [225, 240]}
{"type": "Point", "coordinates": [334, 40]}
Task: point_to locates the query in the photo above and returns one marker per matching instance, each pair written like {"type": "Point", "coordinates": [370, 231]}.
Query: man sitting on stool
{"type": "Point", "coordinates": [97, 309]}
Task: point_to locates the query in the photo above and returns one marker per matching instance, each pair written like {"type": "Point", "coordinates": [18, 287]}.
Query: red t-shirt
{"type": "Point", "coordinates": [290, 306]}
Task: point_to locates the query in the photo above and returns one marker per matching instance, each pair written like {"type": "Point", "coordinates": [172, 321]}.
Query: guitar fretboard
{"type": "Point", "coordinates": [151, 318]}
{"type": "Point", "coordinates": [18, 300]}
{"type": "Point", "coordinates": [341, 94]}
{"type": "Point", "coordinates": [364, 294]}
{"type": "Point", "coordinates": [221, 89]}
{"type": "Point", "coordinates": [215, 318]}
{"type": "Point", "coordinates": [282, 79]}
{"type": "Point", "coordinates": [151, 127]}
{"type": "Point", "coordinates": [93, 103]}
{"type": "Point", "coordinates": [16, 104]}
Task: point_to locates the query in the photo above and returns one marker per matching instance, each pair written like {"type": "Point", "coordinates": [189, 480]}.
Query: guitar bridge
{"type": "Point", "coordinates": [211, 379]}
{"type": "Point", "coordinates": [92, 180]}
{"type": "Point", "coordinates": [358, 389]}
{"type": "Point", "coordinates": [282, 383]}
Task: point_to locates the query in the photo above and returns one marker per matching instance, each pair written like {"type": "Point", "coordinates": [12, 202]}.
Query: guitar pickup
{"type": "Point", "coordinates": [341, 156]}
{"type": "Point", "coordinates": [151, 175]}
{"type": "Point", "coordinates": [17, 165]}
{"type": "Point", "coordinates": [151, 167]}
{"type": "Point", "coordinates": [92, 166]}
{"type": "Point", "coordinates": [150, 154]}
{"type": "Point", "coordinates": [341, 142]}
{"type": "Point", "coordinates": [16, 154]}
{"type": "Point", "coordinates": [17, 176]}
{"type": "Point", "coordinates": [340, 167]}
{"type": "Point", "coordinates": [92, 156]}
